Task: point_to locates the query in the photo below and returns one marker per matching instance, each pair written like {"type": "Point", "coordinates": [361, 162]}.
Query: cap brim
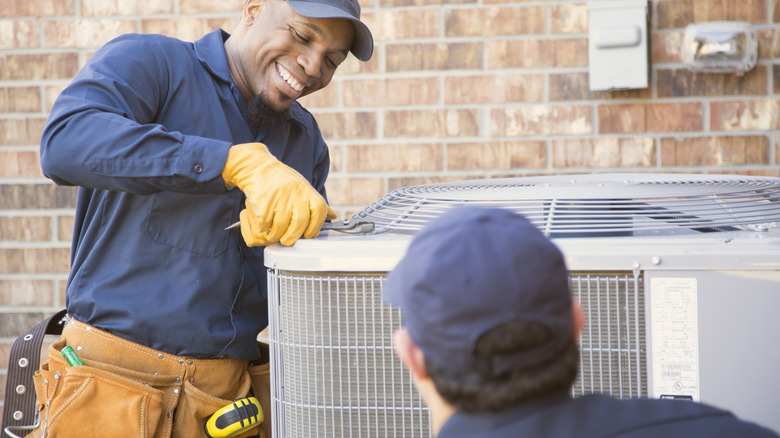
{"type": "Point", "coordinates": [363, 44]}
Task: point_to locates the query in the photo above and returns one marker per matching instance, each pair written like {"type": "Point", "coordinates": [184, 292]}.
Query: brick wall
{"type": "Point", "coordinates": [457, 89]}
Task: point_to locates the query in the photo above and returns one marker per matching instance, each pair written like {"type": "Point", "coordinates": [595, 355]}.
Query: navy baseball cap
{"type": "Point", "coordinates": [363, 44]}
{"type": "Point", "coordinates": [471, 270]}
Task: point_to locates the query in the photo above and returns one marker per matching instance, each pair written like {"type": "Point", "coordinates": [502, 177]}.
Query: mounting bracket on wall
{"type": "Point", "coordinates": [617, 44]}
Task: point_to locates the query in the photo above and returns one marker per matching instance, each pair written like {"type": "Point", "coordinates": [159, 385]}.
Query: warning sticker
{"type": "Point", "coordinates": [675, 338]}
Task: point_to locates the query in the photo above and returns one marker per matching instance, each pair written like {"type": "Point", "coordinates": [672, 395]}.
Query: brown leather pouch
{"type": "Point", "coordinates": [86, 400]}
{"type": "Point", "coordinates": [261, 388]}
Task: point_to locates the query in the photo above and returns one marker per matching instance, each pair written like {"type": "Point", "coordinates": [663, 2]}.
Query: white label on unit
{"type": "Point", "coordinates": [675, 338]}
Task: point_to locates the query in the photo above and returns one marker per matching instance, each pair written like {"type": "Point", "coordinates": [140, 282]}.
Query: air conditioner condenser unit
{"type": "Point", "coordinates": [679, 276]}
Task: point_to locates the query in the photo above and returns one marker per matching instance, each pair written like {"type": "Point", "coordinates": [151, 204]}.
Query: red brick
{"type": "Point", "coordinates": [776, 141]}
{"type": "Point", "coordinates": [499, 155]}
{"type": "Point", "coordinates": [714, 151]}
{"type": "Point", "coordinates": [16, 323]}
{"type": "Point", "coordinates": [21, 131]}
{"type": "Point", "coordinates": [347, 125]}
{"type": "Point", "coordinates": [622, 118]}
{"type": "Point", "coordinates": [20, 100]}
{"type": "Point", "coordinates": [392, 25]}
{"type": "Point", "coordinates": [36, 196]}
{"type": "Point", "coordinates": [674, 117]}
{"type": "Point", "coordinates": [65, 228]}
{"type": "Point", "coordinates": [493, 89]}
{"type": "Point", "coordinates": [91, 8]}
{"type": "Point", "coordinates": [430, 123]}
{"type": "Point", "coordinates": [390, 91]}
{"type": "Point", "coordinates": [5, 353]}
{"type": "Point", "coordinates": [641, 117]}
{"type": "Point", "coordinates": [354, 191]}
{"type": "Point", "coordinates": [33, 67]}
{"type": "Point", "coordinates": [352, 65]}
{"type": "Point", "coordinates": [540, 120]}
{"type": "Point", "coordinates": [25, 228]}
{"type": "Point", "coordinates": [16, 164]}
{"type": "Point", "coordinates": [490, 2]}
{"type": "Point", "coordinates": [186, 29]}
{"type": "Point", "coordinates": [576, 86]}
{"type": "Point", "coordinates": [744, 115]}
{"type": "Point", "coordinates": [35, 8]}
{"type": "Point", "coordinates": [776, 11]}
{"type": "Point", "coordinates": [61, 290]}
{"type": "Point", "coordinates": [768, 43]}
{"type": "Point", "coordinates": [50, 94]}
{"type": "Point", "coordinates": [21, 34]}
{"type": "Point", "coordinates": [679, 13]}
{"type": "Point", "coordinates": [402, 3]}
{"type": "Point", "coordinates": [414, 57]}
{"type": "Point", "coordinates": [666, 47]}
{"type": "Point", "coordinates": [417, 157]}
{"type": "Point", "coordinates": [84, 33]}
{"type": "Point", "coordinates": [202, 6]}
{"type": "Point", "coordinates": [604, 152]}
{"type": "Point", "coordinates": [322, 98]}
{"type": "Point", "coordinates": [26, 292]}
{"type": "Point", "coordinates": [336, 152]}
{"type": "Point", "coordinates": [526, 20]}
{"type": "Point", "coordinates": [537, 53]}
{"type": "Point", "coordinates": [568, 18]}
{"type": "Point", "coordinates": [34, 260]}
{"type": "Point", "coordinates": [684, 83]}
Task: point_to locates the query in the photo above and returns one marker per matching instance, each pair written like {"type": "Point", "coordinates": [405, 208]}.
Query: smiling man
{"type": "Point", "coordinates": [170, 142]}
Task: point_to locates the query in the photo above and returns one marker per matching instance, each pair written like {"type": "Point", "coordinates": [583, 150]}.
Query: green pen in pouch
{"type": "Point", "coordinates": [71, 357]}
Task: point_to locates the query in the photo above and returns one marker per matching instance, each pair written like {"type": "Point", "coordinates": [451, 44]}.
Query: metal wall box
{"type": "Point", "coordinates": [720, 47]}
{"type": "Point", "coordinates": [617, 44]}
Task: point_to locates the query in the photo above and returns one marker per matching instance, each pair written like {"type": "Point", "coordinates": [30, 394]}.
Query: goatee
{"type": "Point", "coordinates": [261, 114]}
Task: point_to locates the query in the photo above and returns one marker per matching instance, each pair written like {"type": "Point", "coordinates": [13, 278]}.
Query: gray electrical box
{"type": "Point", "coordinates": [617, 44]}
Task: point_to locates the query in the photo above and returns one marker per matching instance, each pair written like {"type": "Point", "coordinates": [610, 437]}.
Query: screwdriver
{"type": "Point", "coordinates": [235, 418]}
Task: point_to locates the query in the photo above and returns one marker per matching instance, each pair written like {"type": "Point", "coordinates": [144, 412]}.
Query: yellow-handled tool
{"type": "Point", "coordinates": [235, 418]}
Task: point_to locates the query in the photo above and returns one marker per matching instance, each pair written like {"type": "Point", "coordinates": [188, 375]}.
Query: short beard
{"type": "Point", "coordinates": [261, 114]}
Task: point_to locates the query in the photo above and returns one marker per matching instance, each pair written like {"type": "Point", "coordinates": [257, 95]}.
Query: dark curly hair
{"type": "Point", "coordinates": [479, 391]}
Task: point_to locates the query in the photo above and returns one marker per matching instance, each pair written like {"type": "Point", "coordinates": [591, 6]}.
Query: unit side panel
{"type": "Point", "coordinates": [737, 329]}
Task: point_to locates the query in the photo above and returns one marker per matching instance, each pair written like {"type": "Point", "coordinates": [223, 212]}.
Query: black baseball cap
{"type": "Point", "coordinates": [363, 45]}
{"type": "Point", "coordinates": [475, 268]}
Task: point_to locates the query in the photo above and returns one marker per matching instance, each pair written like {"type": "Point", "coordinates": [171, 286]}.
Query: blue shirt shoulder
{"type": "Point", "coordinates": [604, 416]}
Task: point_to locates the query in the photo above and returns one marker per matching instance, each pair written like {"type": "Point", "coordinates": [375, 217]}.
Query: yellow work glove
{"type": "Point", "coordinates": [281, 205]}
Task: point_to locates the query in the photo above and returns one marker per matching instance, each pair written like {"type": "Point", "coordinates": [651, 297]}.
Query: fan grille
{"type": "Point", "coordinates": [335, 373]}
{"type": "Point", "coordinates": [582, 205]}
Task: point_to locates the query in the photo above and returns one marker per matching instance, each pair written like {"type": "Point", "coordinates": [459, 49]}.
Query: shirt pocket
{"type": "Point", "coordinates": [194, 223]}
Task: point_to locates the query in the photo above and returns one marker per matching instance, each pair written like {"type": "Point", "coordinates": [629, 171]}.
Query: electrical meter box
{"type": "Point", "coordinates": [617, 44]}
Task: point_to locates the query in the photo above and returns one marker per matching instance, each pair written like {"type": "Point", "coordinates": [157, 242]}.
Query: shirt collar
{"type": "Point", "coordinates": [479, 424]}
{"type": "Point", "coordinates": [210, 50]}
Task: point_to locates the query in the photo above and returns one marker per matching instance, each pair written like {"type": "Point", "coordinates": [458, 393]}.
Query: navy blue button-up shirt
{"type": "Point", "coordinates": [144, 131]}
{"type": "Point", "coordinates": [599, 415]}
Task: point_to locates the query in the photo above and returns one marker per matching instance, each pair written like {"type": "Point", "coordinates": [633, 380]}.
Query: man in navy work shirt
{"type": "Point", "coordinates": [490, 332]}
{"type": "Point", "coordinates": [170, 143]}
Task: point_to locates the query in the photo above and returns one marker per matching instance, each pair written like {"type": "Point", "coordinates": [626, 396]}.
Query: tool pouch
{"type": "Point", "coordinates": [261, 388]}
{"type": "Point", "coordinates": [196, 406]}
{"type": "Point", "coordinates": [96, 399]}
